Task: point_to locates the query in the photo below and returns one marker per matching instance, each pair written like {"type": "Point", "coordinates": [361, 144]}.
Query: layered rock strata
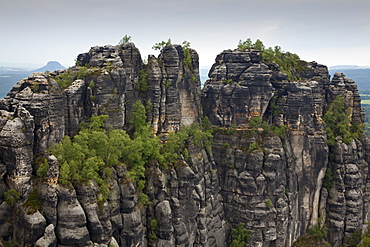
{"type": "Point", "coordinates": [269, 180]}
{"type": "Point", "coordinates": [275, 185]}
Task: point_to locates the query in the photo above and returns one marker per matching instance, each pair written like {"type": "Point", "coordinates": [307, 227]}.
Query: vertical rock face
{"type": "Point", "coordinates": [108, 80]}
{"type": "Point", "coordinates": [182, 88]}
{"type": "Point", "coordinates": [169, 87]}
{"type": "Point", "coordinates": [276, 187]}
{"type": "Point", "coordinates": [271, 180]}
{"type": "Point", "coordinates": [31, 122]}
{"type": "Point", "coordinates": [44, 101]}
{"type": "Point", "coordinates": [239, 89]}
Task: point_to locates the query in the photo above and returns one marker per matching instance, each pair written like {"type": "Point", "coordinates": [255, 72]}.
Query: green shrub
{"type": "Point", "coordinates": [365, 238]}
{"type": "Point", "coordinates": [274, 109]}
{"type": "Point", "coordinates": [354, 238]}
{"type": "Point", "coordinates": [245, 45]}
{"type": "Point", "coordinates": [142, 85]}
{"type": "Point", "coordinates": [328, 179]}
{"type": "Point", "coordinates": [141, 184]}
{"type": "Point", "coordinates": [240, 236]}
{"type": "Point", "coordinates": [126, 39]}
{"type": "Point", "coordinates": [91, 84]}
{"type": "Point", "coordinates": [229, 81]}
{"type": "Point", "coordinates": [12, 196]}
{"type": "Point", "coordinates": [143, 199]}
{"type": "Point", "coordinates": [279, 130]}
{"type": "Point", "coordinates": [288, 62]}
{"type": "Point", "coordinates": [253, 146]}
{"type": "Point", "coordinates": [65, 79]}
{"type": "Point", "coordinates": [35, 88]}
{"type": "Point", "coordinates": [177, 141]}
{"type": "Point", "coordinates": [317, 233]}
{"type": "Point", "coordinates": [153, 224]}
{"type": "Point", "coordinates": [82, 73]}
{"type": "Point", "coordinates": [162, 44]}
{"type": "Point", "coordinates": [268, 203]}
{"type": "Point", "coordinates": [43, 168]}
{"type": "Point", "coordinates": [338, 123]}
{"type": "Point", "coordinates": [168, 84]}
{"type": "Point", "coordinates": [188, 61]}
{"type": "Point", "coordinates": [254, 123]}
{"type": "Point", "coordinates": [225, 145]}
{"type": "Point", "coordinates": [33, 203]}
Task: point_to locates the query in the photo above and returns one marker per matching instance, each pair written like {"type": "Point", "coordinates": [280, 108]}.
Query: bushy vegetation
{"type": "Point", "coordinates": [160, 45]}
{"type": "Point", "coordinates": [32, 203]}
{"type": "Point", "coordinates": [91, 153]}
{"type": "Point", "coordinates": [240, 236]}
{"type": "Point", "coordinates": [268, 203]}
{"type": "Point", "coordinates": [126, 39]}
{"type": "Point", "coordinates": [142, 85]}
{"type": "Point", "coordinates": [12, 196]}
{"type": "Point", "coordinates": [338, 123]}
{"type": "Point", "coordinates": [328, 179]}
{"type": "Point", "coordinates": [354, 239]}
{"type": "Point", "coordinates": [288, 62]}
{"type": "Point", "coordinates": [188, 61]}
{"type": "Point", "coordinates": [315, 237]}
{"type": "Point", "coordinates": [365, 238]}
{"type": "Point", "coordinates": [256, 124]}
{"type": "Point", "coordinates": [177, 142]}
{"type": "Point", "coordinates": [43, 167]}
{"type": "Point", "coordinates": [66, 78]}
{"type": "Point", "coordinates": [318, 233]}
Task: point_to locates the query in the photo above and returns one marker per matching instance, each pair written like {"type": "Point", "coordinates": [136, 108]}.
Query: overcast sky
{"type": "Point", "coordinates": [331, 32]}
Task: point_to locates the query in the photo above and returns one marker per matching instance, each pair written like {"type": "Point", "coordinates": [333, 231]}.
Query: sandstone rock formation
{"type": "Point", "coordinates": [270, 180]}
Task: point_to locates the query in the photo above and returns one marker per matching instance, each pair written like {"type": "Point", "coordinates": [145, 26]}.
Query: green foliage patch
{"type": "Point", "coordinates": [338, 123]}
{"type": "Point", "coordinates": [328, 179]}
{"type": "Point", "coordinates": [268, 203]}
{"type": "Point", "coordinates": [142, 85]}
{"type": "Point", "coordinates": [315, 237]}
{"type": "Point", "coordinates": [289, 63]}
{"type": "Point", "coordinates": [240, 236]}
{"type": "Point", "coordinates": [365, 238]}
{"type": "Point", "coordinates": [65, 79]}
{"type": "Point", "coordinates": [188, 61]}
{"type": "Point", "coordinates": [43, 168]}
{"type": "Point", "coordinates": [12, 196]}
{"type": "Point", "coordinates": [91, 153]}
{"type": "Point", "coordinates": [125, 39]}
{"type": "Point", "coordinates": [32, 204]}
{"type": "Point", "coordinates": [160, 45]}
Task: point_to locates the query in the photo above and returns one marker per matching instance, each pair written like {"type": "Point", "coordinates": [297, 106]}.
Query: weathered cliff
{"type": "Point", "coordinates": [265, 168]}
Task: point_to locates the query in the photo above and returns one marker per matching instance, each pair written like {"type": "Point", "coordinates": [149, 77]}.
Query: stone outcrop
{"type": "Point", "coordinates": [271, 180]}
{"type": "Point", "coordinates": [277, 189]}
{"type": "Point", "coordinates": [239, 88]}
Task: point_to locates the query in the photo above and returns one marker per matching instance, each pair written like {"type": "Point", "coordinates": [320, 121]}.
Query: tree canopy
{"type": "Point", "coordinates": [288, 62]}
{"type": "Point", "coordinates": [92, 153]}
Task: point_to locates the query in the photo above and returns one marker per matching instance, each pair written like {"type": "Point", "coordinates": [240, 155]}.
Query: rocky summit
{"type": "Point", "coordinates": [288, 163]}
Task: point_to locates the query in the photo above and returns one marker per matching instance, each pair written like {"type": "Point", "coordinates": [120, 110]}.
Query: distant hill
{"type": "Point", "coordinates": [9, 75]}
{"type": "Point", "coordinates": [361, 75]}
{"type": "Point", "coordinates": [336, 67]}
{"type": "Point", "coordinates": [50, 66]}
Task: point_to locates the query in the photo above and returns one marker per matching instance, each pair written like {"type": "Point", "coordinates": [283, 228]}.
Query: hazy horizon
{"type": "Point", "coordinates": [332, 32]}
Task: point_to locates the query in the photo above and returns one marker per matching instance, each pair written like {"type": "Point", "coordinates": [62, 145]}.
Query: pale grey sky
{"type": "Point", "coordinates": [331, 32]}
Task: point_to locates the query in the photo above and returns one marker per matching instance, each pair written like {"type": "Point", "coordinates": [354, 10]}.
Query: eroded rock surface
{"type": "Point", "coordinates": [269, 180]}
